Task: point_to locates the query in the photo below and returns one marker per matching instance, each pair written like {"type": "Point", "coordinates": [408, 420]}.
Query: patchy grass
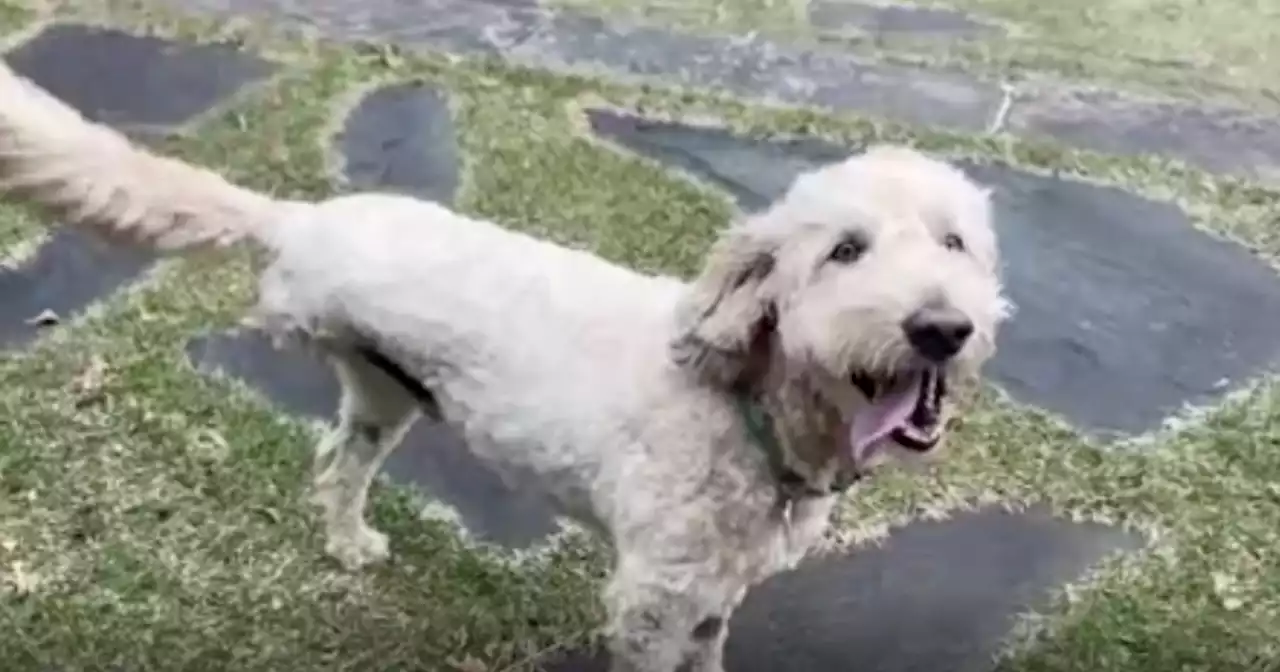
{"type": "Point", "coordinates": [153, 519]}
{"type": "Point", "coordinates": [1193, 48]}
{"type": "Point", "coordinates": [20, 234]}
{"type": "Point", "coordinates": [775, 16]}
{"type": "Point", "coordinates": [1184, 44]}
{"type": "Point", "coordinates": [14, 15]}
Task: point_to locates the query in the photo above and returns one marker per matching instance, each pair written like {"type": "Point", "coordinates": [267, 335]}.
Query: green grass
{"type": "Point", "coordinates": [154, 519]}
{"type": "Point", "coordinates": [1222, 49]}
{"type": "Point", "coordinates": [1176, 43]}
{"type": "Point", "coordinates": [20, 233]}
{"type": "Point", "coordinates": [14, 14]}
{"type": "Point", "coordinates": [777, 16]}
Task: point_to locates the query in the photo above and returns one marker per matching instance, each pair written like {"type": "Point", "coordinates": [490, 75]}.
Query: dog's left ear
{"type": "Point", "coordinates": [726, 319]}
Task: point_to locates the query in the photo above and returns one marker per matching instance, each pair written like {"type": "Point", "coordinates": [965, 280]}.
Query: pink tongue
{"type": "Point", "coordinates": [878, 419]}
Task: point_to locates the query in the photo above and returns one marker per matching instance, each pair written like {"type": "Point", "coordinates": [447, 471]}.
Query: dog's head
{"type": "Point", "coordinates": [854, 302]}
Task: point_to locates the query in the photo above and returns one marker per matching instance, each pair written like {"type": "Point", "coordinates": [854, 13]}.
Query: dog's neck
{"type": "Point", "coordinates": [799, 468]}
{"type": "Point", "coordinates": [787, 420]}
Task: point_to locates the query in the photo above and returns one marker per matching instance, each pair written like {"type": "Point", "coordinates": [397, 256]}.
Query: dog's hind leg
{"type": "Point", "coordinates": [375, 412]}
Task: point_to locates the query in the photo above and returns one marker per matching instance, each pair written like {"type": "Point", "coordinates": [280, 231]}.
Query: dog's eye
{"type": "Point", "coordinates": [848, 251]}
{"type": "Point", "coordinates": [954, 243]}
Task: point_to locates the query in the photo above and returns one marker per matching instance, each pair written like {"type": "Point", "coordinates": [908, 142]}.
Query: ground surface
{"type": "Point", "coordinates": [1193, 46]}
{"type": "Point", "coordinates": [153, 456]}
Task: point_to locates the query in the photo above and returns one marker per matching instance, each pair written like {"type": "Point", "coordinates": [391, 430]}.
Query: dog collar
{"type": "Point", "coordinates": [791, 484]}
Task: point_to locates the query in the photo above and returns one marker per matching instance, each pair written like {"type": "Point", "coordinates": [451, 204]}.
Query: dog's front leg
{"type": "Point", "coordinates": [707, 646]}
{"type": "Point", "coordinates": [665, 619]}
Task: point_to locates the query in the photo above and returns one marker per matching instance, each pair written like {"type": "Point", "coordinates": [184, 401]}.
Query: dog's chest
{"type": "Point", "coordinates": [794, 530]}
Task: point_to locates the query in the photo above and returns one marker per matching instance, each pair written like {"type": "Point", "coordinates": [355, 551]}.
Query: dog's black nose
{"type": "Point", "coordinates": [937, 333]}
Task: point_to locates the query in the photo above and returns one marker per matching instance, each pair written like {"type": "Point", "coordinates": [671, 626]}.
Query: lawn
{"type": "Point", "coordinates": [155, 519]}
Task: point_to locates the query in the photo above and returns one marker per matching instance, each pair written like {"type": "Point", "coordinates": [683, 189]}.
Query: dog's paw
{"type": "Point", "coordinates": [356, 551]}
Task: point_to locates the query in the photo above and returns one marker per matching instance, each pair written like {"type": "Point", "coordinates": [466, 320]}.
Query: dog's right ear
{"type": "Point", "coordinates": [725, 321]}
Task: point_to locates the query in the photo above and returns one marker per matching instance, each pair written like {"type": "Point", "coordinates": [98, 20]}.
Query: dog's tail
{"type": "Point", "coordinates": [89, 174]}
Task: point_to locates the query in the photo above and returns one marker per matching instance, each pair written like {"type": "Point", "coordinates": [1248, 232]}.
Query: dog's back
{"type": "Point", "coordinates": [497, 324]}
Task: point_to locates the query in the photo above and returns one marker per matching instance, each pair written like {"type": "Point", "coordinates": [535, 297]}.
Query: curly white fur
{"type": "Point", "coordinates": [614, 389]}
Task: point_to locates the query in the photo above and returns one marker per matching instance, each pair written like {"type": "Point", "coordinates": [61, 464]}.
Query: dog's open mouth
{"type": "Point", "coordinates": [906, 409]}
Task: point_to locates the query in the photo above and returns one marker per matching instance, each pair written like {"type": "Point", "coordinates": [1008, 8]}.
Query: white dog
{"type": "Point", "coordinates": [704, 428]}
